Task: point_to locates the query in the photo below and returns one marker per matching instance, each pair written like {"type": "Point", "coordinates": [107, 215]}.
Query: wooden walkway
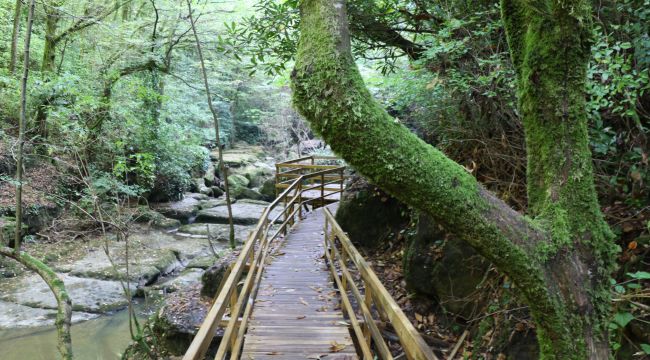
{"type": "Point", "coordinates": [296, 314]}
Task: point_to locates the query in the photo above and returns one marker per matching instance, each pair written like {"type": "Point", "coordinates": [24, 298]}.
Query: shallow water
{"type": "Point", "coordinates": [103, 338]}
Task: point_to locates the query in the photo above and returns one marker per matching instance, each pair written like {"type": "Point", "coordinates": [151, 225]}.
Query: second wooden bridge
{"type": "Point", "coordinates": [303, 291]}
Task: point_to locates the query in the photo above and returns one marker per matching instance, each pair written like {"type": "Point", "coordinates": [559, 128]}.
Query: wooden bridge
{"type": "Point", "coordinates": [303, 291]}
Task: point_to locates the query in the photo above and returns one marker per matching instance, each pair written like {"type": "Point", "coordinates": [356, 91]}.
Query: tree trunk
{"type": "Point", "coordinates": [52, 17]}
{"type": "Point", "coordinates": [215, 117]}
{"type": "Point", "coordinates": [560, 264]}
{"type": "Point", "coordinates": [21, 131]}
{"type": "Point", "coordinates": [14, 37]}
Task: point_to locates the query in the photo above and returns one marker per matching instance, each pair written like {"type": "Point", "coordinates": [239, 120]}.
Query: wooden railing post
{"type": "Point", "coordinates": [300, 201]}
{"type": "Point", "coordinates": [322, 190]}
{"type": "Point", "coordinates": [367, 299]}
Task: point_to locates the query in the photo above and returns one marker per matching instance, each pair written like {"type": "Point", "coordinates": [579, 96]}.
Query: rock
{"type": "Point", "coordinates": [256, 173]}
{"type": "Point", "coordinates": [155, 219]}
{"type": "Point", "coordinates": [216, 191]}
{"type": "Point", "coordinates": [209, 177]}
{"type": "Point", "coordinates": [183, 210]}
{"type": "Point", "coordinates": [246, 193]}
{"type": "Point", "coordinates": [144, 268]}
{"type": "Point", "coordinates": [206, 204]}
{"type": "Point", "coordinates": [234, 158]}
{"type": "Point", "coordinates": [87, 295]}
{"type": "Point", "coordinates": [166, 224]}
{"type": "Point", "coordinates": [179, 318]}
{"type": "Point", "coordinates": [197, 196]}
{"type": "Point", "coordinates": [268, 189]}
{"type": "Point", "coordinates": [243, 214]}
{"type": "Point", "coordinates": [8, 229]}
{"type": "Point", "coordinates": [369, 215]}
{"type": "Point", "coordinates": [187, 278]}
{"type": "Point", "coordinates": [198, 185]}
{"type": "Point", "coordinates": [237, 180]}
{"type": "Point", "coordinates": [443, 267]}
{"type": "Point", "coordinates": [202, 262]}
{"type": "Point", "coordinates": [213, 276]}
{"type": "Point", "coordinates": [256, 202]}
{"type": "Point", "coordinates": [13, 315]}
{"type": "Point", "coordinates": [219, 232]}
{"type": "Point", "coordinates": [39, 217]}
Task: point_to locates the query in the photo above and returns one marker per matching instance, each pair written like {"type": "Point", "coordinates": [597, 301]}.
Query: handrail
{"type": "Point", "coordinates": [375, 296]}
{"type": "Point", "coordinates": [253, 255]}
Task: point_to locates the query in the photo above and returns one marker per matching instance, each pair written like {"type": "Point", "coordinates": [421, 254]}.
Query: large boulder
{"type": "Point", "coordinates": [268, 189]}
{"type": "Point", "coordinates": [237, 180]}
{"type": "Point", "coordinates": [210, 178]}
{"type": "Point", "coordinates": [246, 193]}
{"type": "Point", "coordinates": [243, 213]}
{"type": "Point", "coordinates": [182, 210]}
{"type": "Point", "coordinates": [443, 267]}
{"type": "Point", "coordinates": [368, 214]}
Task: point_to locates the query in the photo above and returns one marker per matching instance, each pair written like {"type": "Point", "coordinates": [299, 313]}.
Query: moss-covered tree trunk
{"type": "Point", "coordinates": [64, 304]}
{"type": "Point", "coordinates": [560, 259]}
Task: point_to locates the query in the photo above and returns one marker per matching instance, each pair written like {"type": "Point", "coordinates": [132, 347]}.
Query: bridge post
{"type": "Point", "coordinates": [322, 190]}
{"type": "Point", "coordinates": [367, 299]}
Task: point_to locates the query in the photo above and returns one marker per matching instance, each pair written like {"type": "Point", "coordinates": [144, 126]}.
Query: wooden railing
{"type": "Point", "coordinates": [371, 297]}
{"type": "Point", "coordinates": [286, 172]}
{"type": "Point", "coordinates": [240, 285]}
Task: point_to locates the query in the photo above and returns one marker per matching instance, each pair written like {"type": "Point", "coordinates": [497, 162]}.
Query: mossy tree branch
{"type": "Point", "coordinates": [330, 93]}
{"type": "Point", "coordinates": [64, 304]}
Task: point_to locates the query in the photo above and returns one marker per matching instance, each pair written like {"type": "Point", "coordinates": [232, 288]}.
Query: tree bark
{"type": "Point", "coordinates": [14, 36]}
{"type": "Point", "coordinates": [64, 304]}
{"type": "Point", "coordinates": [561, 272]}
{"type": "Point", "coordinates": [215, 118]}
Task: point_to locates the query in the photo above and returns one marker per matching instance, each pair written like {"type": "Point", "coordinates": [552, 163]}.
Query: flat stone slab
{"type": "Point", "coordinates": [219, 232]}
{"type": "Point", "coordinates": [87, 295]}
{"type": "Point", "coordinates": [182, 210]}
{"type": "Point", "coordinates": [243, 214]}
{"type": "Point", "coordinates": [144, 267]}
{"type": "Point", "coordinates": [14, 315]}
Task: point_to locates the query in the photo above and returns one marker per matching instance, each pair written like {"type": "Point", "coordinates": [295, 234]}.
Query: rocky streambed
{"type": "Point", "coordinates": [168, 253]}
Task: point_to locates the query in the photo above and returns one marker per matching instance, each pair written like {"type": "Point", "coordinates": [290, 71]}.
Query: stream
{"type": "Point", "coordinates": [102, 338]}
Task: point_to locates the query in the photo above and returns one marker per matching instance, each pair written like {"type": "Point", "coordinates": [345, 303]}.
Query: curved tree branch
{"type": "Point", "coordinates": [64, 304]}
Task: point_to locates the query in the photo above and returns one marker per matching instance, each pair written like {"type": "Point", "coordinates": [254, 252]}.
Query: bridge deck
{"type": "Point", "coordinates": [296, 313]}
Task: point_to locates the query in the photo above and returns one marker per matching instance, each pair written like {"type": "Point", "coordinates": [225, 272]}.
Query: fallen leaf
{"type": "Point", "coordinates": [315, 356]}
{"type": "Point", "coordinates": [301, 317]}
{"type": "Point", "coordinates": [274, 353]}
{"type": "Point", "coordinates": [302, 301]}
{"type": "Point", "coordinates": [336, 347]}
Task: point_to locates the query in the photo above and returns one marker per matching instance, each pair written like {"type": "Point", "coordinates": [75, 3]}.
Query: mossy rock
{"type": "Point", "coordinates": [237, 180]}
{"type": "Point", "coordinates": [443, 267]}
{"type": "Point", "coordinates": [214, 275]}
{"type": "Point", "coordinates": [8, 230]}
{"type": "Point", "coordinates": [268, 189]}
{"type": "Point", "coordinates": [246, 193]}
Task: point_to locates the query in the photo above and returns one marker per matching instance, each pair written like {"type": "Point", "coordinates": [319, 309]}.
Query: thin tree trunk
{"type": "Point", "coordinates": [561, 260]}
{"type": "Point", "coordinates": [64, 304]}
{"type": "Point", "coordinates": [14, 36]}
{"type": "Point", "coordinates": [21, 131]}
{"type": "Point", "coordinates": [215, 117]}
